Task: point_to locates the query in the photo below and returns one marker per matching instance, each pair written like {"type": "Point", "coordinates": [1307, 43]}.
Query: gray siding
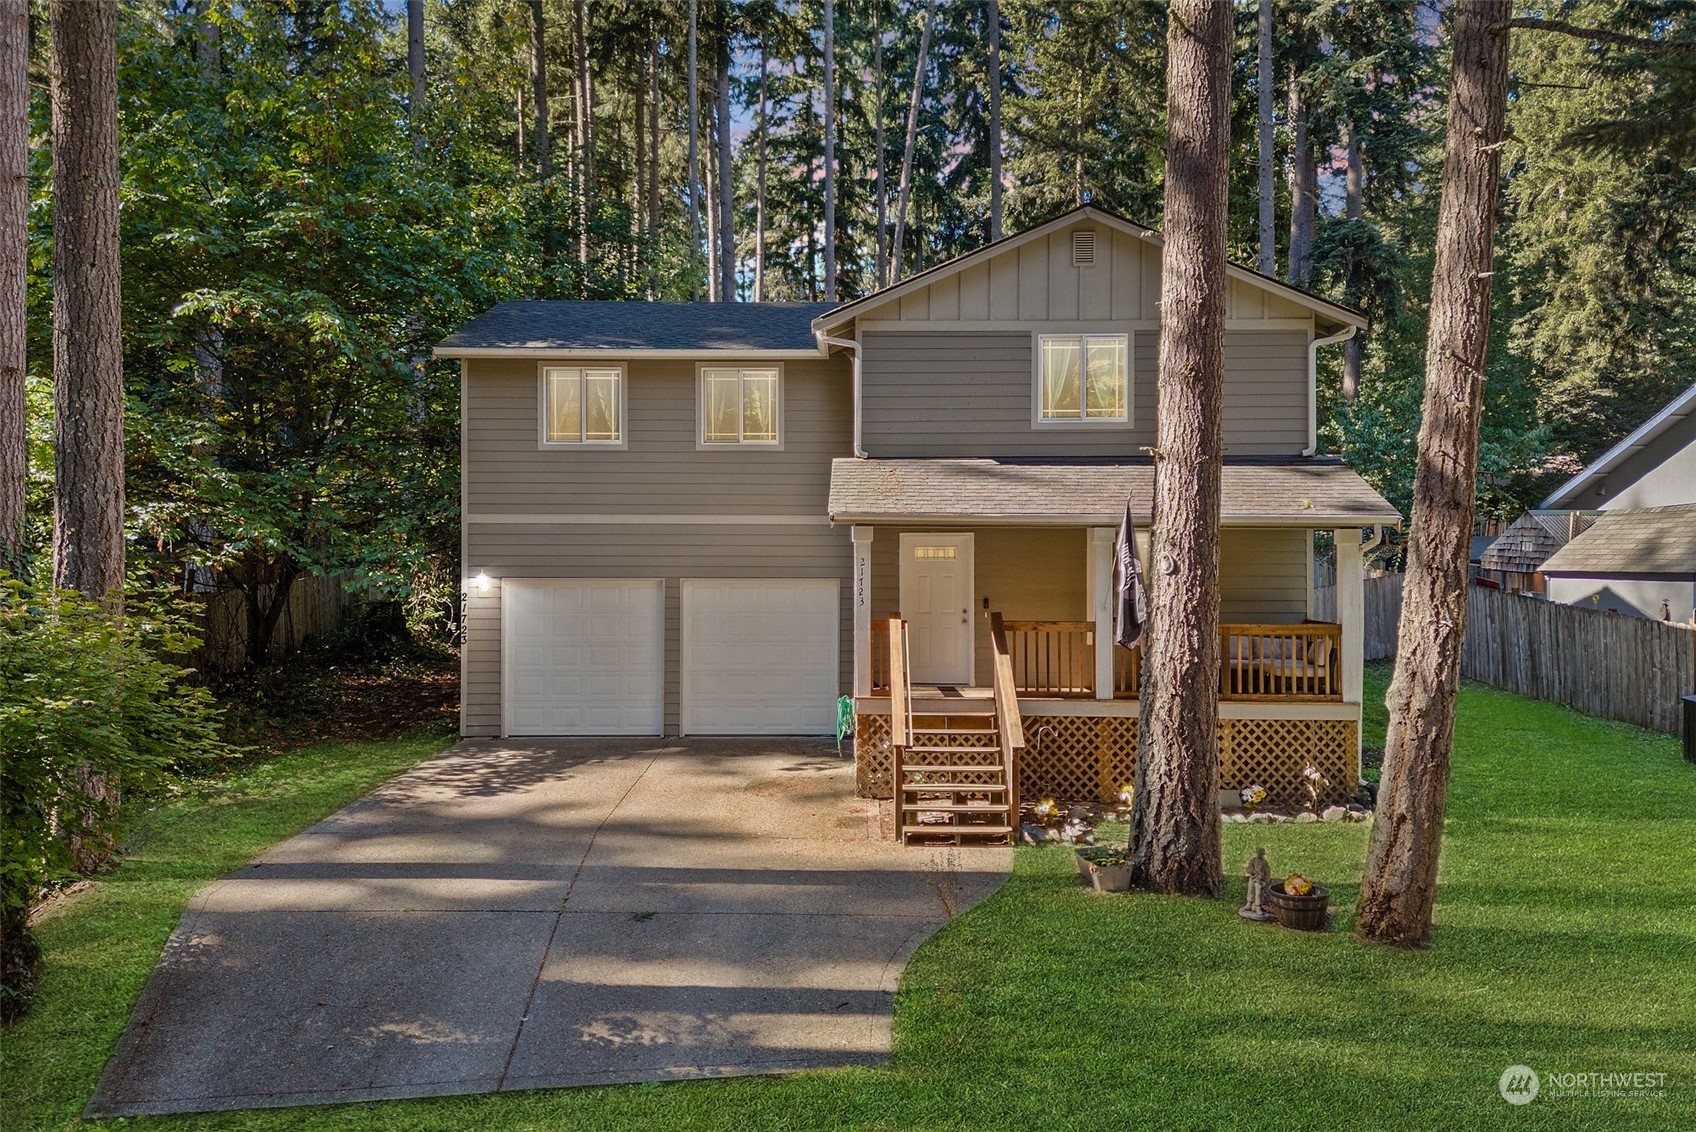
{"type": "Point", "coordinates": [1263, 575]}
{"type": "Point", "coordinates": [1661, 475]}
{"type": "Point", "coordinates": [937, 392]}
{"type": "Point", "coordinates": [671, 552]}
{"type": "Point", "coordinates": [660, 473]}
{"type": "Point", "coordinates": [661, 470]}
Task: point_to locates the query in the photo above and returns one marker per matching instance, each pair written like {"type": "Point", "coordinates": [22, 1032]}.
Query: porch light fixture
{"type": "Point", "coordinates": [483, 581]}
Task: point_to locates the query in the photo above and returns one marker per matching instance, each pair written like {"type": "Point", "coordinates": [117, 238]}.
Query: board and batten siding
{"type": "Point", "coordinates": [660, 473]}
{"type": "Point", "coordinates": [931, 391]}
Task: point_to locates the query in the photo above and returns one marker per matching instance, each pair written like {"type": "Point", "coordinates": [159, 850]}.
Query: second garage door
{"type": "Point", "coordinates": [761, 656]}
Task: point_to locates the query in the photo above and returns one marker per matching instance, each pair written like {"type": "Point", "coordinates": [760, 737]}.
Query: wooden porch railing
{"type": "Point", "coordinates": [1051, 658]}
{"type": "Point", "coordinates": [1009, 723]}
{"type": "Point", "coordinates": [900, 692]}
{"type": "Point", "coordinates": [1281, 662]}
{"type": "Point", "coordinates": [1056, 660]}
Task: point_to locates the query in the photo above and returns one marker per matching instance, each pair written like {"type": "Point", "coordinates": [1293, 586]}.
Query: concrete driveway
{"type": "Point", "coordinates": [519, 915]}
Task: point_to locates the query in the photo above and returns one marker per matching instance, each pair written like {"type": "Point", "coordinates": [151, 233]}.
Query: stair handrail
{"type": "Point", "coordinates": [900, 691]}
{"type": "Point", "coordinates": [1008, 721]}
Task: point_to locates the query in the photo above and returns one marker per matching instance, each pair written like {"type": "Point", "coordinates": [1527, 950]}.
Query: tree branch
{"type": "Point", "coordinates": [1595, 35]}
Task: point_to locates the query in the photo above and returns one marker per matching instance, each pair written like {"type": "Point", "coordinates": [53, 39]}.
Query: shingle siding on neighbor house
{"type": "Point", "coordinates": [661, 473]}
{"type": "Point", "coordinates": [933, 391]}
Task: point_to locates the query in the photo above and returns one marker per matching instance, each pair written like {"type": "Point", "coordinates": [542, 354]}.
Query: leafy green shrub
{"type": "Point", "coordinates": [81, 694]}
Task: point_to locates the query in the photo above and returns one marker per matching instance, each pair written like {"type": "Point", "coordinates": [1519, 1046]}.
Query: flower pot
{"type": "Point", "coordinates": [1103, 869]}
{"type": "Point", "coordinates": [1304, 913]}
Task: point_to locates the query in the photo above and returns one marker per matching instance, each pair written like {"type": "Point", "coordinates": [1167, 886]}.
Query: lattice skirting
{"type": "Point", "coordinates": [1079, 758]}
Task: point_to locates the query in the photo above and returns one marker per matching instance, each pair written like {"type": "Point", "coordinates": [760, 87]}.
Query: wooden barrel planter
{"type": "Point", "coordinates": [1304, 913]}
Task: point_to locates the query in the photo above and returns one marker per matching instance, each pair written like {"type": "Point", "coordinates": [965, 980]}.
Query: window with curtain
{"type": "Point", "coordinates": [582, 406]}
{"type": "Point", "coordinates": [739, 406]}
{"type": "Point", "coordinates": [1083, 378]}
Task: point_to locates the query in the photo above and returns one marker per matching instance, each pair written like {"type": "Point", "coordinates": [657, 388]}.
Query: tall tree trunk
{"type": "Point", "coordinates": [1304, 186]}
{"type": "Point", "coordinates": [710, 198]}
{"type": "Point", "coordinates": [14, 272]}
{"type": "Point", "coordinates": [762, 125]}
{"type": "Point", "coordinates": [654, 161]}
{"type": "Point", "coordinates": [1175, 818]}
{"type": "Point", "coordinates": [726, 165]}
{"type": "Point", "coordinates": [639, 172]}
{"type": "Point", "coordinates": [206, 42]}
{"type": "Point", "coordinates": [583, 124]}
{"type": "Point", "coordinates": [694, 76]}
{"type": "Point", "coordinates": [1354, 204]}
{"type": "Point", "coordinates": [881, 265]}
{"type": "Point", "coordinates": [905, 188]}
{"type": "Point", "coordinates": [829, 151]}
{"type": "Point", "coordinates": [1268, 263]}
{"type": "Point", "coordinates": [1399, 887]}
{"type": "Point", "coordinates": [88, 364]}
{"type": "Point", "coordinates": [994, 18]}
{"type": "Point", "coordinates": [415, 55]}
{"type": "Point", "coordinates": [539, 86]}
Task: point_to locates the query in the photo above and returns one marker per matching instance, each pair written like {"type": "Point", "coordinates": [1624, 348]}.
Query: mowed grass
{"type": "Point", "coordinates": [1566, 941]}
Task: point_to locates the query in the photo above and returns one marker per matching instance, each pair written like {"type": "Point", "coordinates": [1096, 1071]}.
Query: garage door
{"type": "Point", "coordinates": [583, 658]}
{"type": "Point", "coordinates": [761, 657]}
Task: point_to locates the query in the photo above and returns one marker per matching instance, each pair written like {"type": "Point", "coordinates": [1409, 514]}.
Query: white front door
{"type": "Point", "coordinates": [761, 656]}
{"type": "Point", "coordinates": [936, 602]}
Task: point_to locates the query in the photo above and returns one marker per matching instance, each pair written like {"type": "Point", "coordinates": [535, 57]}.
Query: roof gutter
{"type": "Point", "coordinates": [1313, 384]}
{"type": "Point", "coordinates": [853, 347]}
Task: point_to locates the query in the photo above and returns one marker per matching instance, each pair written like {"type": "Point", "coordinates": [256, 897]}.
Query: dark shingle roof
{"type": "Point", "coordinates": [1530, 540]}
{"type": "Point", "coordinates": [1317, 492]}
{"type": "Point", "coordinates": [588, 325]}
{"type": "Point", "coordinates": [1647, 540]}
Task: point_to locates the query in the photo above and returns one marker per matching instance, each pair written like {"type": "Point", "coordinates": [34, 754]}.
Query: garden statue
{"type": "Point", "coordinates": [1259, 874]}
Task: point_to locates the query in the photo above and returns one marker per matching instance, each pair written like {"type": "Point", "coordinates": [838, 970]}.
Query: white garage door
{"type": "Point", "coordinates": [760, 657]}
{"type": "Point", "coordinates": [583, 658]}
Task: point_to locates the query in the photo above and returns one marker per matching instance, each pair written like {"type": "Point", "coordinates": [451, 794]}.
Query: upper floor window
{"type": "Point", "coordinates": [739, 406]}
{"type": "Point", "coordinates": [581, 405]}
{"type": "Point", "coordinates": [1083, 378]}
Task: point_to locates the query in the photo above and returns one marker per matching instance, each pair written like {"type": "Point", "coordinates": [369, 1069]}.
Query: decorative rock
{"type": "Point", "coordinates": [1307, 816]}
{"type": "Point", "coordinates": [1263, 818]}
{"type": "Point", "coordinates": [1333, 813]}
{"type": "Point", "coordinates": [1079, 812]}
{"type": "Point", "coordinates": [1357, 816]}
{"type": "Point", "coordinates": [1356, 808]}
{"type": "Point", "coordinates": [1037, 834]}
{"type": "Point", "coordinates": [1239, 818]}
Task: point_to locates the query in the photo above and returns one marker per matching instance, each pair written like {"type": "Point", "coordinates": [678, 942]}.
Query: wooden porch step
{"type": "Point", "coordinates": [955, 751]}
{"type": "Point", "coordinates": [954, 808]}
{"type": "Point", "coordinates": [955, 831]}
{"type": "Point", "coordinates": [917, 730]}
{"type": "Point", "coordinates": [950, 770]}
{"type": "Point", "coordinates": [953, 788]}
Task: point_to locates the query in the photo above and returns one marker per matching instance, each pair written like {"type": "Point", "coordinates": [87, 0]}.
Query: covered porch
{"type": "Point", "coordinates": [957, 549]}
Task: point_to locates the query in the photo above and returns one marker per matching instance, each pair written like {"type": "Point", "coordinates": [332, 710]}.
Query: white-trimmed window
{"type": "Point", "coordinates": [740, 406]}
{"type": "Point", "coordinates": [1083, 379]}
{"type": "Point", "coordinates": [582, 405]}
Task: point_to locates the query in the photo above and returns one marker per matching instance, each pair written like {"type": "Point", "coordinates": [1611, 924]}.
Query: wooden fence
{"type": "Point", "coordinates": [316, 607]}
{"type": "Point", "coordinates": [1605, 664]}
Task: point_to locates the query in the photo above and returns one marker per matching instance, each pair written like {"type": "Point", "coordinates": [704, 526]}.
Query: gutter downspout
{"type": "Point", "coordinates": [854, 348]}
{"type": "Point", "coordinates": [1313, 384]}
{"type": "Point", "coordinates": [1375, 541]}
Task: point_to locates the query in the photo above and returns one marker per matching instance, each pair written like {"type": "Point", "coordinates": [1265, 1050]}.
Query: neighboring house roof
{"type": "Point", "coordinates": [1572, 491]}
{"type": "Point", "coordinates": [837, 316]}
{"type": "Point", "coordinates": [1312, 493]}
{"type": "Point", "coordinates": [1530, 540]}
{"type": "Point", "coordinates": [1651, 540]}
{"type": "Point", "coordinates": [636, 328]}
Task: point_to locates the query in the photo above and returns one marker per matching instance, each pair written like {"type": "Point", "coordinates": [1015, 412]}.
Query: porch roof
{"type": "Point", "coordinates": [1314, 493]}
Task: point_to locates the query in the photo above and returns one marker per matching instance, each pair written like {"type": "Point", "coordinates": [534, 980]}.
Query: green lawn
{"type": "Point", "coordinates": [1566, 941]}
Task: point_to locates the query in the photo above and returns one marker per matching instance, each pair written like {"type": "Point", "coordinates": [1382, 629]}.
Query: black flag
{"type": "Point", "coordinates": [1131, 609]}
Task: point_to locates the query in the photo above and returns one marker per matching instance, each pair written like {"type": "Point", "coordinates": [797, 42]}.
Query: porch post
{"type": "Point", "coordinates": [862, 584]}
{"type": "Point", "coordinates": [1351, 610]}
{"type": "Point", "coordinates": [1101, 606]}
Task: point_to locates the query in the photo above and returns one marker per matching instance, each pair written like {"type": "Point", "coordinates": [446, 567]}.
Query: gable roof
{"type": "Point", "coordinates": [1530, 540]}
{"type": "Point", "coordinates": [1311, 493]}
{"type": "Point", "coordinates": [632, 327]}
{"type": "Point", "coordinates": [1640, 438]}
{"type": "Point", "coordinates": [1638, 540]}
{"type": "Point", "coordinates": [835, 317]}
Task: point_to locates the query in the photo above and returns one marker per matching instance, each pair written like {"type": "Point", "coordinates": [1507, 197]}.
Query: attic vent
{"type": "Point", "coordinates": [1083, 248]}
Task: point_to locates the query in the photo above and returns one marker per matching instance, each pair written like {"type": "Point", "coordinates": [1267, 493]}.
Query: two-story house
{"type": "Point", "coordinates": [708, 519]}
